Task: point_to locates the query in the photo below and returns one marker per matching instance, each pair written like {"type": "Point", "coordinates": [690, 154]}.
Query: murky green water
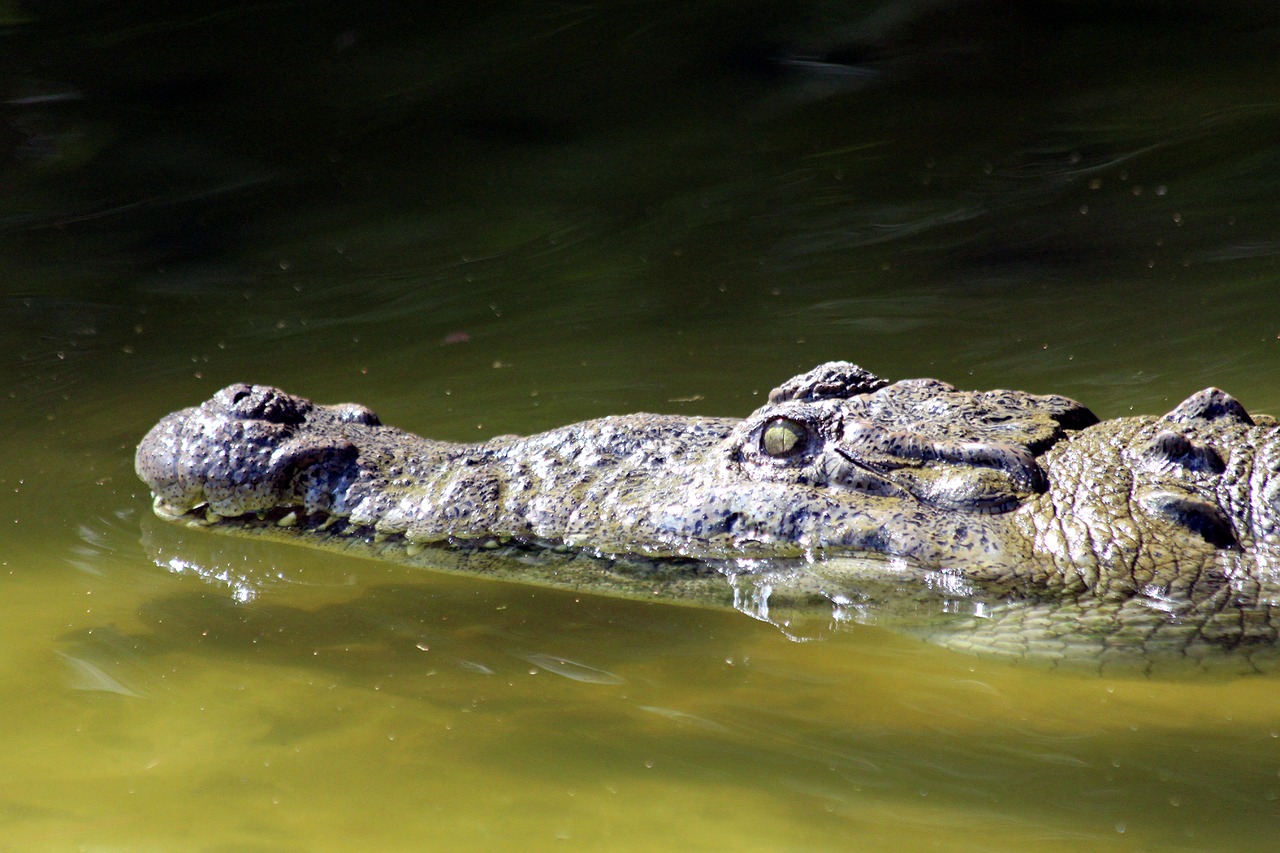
{"type": "Point", "coordinates": [481, 221]}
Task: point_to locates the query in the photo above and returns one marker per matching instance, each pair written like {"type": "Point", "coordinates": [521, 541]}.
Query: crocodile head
{"type": "Point", "coordinates": [837, 459]}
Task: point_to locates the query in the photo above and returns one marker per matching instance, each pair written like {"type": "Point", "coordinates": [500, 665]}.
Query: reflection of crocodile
{"type": "Point", "coordinates": [1016, 522]}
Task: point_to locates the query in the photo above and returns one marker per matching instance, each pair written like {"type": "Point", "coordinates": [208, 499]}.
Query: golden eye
{"type": "Point", "coordinates": [783, 438]}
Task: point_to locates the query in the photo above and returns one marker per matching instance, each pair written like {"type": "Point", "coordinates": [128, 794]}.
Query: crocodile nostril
{"type": "Point", "coordinates": [261, 403]}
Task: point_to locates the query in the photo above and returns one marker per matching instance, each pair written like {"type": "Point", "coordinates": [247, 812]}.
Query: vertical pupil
{"type": "Point", "coordinates": [783, 437]}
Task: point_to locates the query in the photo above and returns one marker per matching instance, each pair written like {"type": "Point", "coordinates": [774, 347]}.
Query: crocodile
{"type": "Point", "coordinates": [990, 521]}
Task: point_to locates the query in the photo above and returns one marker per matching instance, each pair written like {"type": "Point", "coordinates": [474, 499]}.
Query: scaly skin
{"type": "Point", "coordinates": [998, 521]}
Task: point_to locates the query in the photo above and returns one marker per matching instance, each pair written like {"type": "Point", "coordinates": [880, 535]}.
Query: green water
{"type": "Point", "coordinates": [480, 220]}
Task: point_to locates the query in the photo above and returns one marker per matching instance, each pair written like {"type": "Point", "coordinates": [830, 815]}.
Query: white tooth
{"type": "Point", "coordinates": [165, 510]}
{"type": "Point", "coordinates": [290, 520]}
{"type": "Point", "coordinates": [413, 549]}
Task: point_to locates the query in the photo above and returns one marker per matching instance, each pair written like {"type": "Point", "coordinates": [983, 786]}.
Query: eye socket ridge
{"type": "Point", "coordinates": [784, 438]}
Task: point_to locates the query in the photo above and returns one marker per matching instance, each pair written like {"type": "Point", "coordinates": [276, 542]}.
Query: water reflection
{"type": "Point", "coordinates": [401, 669]}
{"type": "Point", "coordinates": [572, 669]}
{"type": "Point", "coordinates": [104, 660]}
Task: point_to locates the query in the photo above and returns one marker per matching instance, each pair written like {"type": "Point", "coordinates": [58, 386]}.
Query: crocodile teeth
{"type": "Point", "coordinates": [165, 510]}
{"type": "Point", "coordinates": [290, 520]}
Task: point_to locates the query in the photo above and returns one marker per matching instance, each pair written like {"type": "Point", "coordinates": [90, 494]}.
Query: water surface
{"type": "Point", "coordinates": [481, 221]}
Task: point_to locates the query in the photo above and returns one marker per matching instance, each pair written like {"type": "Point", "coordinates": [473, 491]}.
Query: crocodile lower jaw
{"type": "Point", "coordinates": [316, 525]}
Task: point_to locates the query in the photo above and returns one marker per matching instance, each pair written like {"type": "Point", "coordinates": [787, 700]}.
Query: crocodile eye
{"type": "Point", "coordinates": [783, 438]}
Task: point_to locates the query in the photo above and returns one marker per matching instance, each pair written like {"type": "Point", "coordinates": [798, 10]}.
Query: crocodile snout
{"type": "Point", "coordinates": [238, 452]}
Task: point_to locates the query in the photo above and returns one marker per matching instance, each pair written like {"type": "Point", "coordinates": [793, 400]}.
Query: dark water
{"type": "Point", "coordinates": [489, 218]}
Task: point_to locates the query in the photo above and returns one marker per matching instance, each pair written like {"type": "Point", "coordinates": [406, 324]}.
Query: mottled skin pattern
{"type": "Point", "coordinates": [998, 521]}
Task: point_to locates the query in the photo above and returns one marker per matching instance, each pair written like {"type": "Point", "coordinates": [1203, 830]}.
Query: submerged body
{"type": "Point", "coordinates": [1009, 521]}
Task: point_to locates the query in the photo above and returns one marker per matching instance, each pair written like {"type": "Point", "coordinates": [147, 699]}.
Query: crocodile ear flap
{"type": "Point", "coordinates": [835, 380]}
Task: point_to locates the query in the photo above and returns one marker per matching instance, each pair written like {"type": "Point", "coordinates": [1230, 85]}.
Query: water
{"type": "Point", "coordinates": [480, 221]}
